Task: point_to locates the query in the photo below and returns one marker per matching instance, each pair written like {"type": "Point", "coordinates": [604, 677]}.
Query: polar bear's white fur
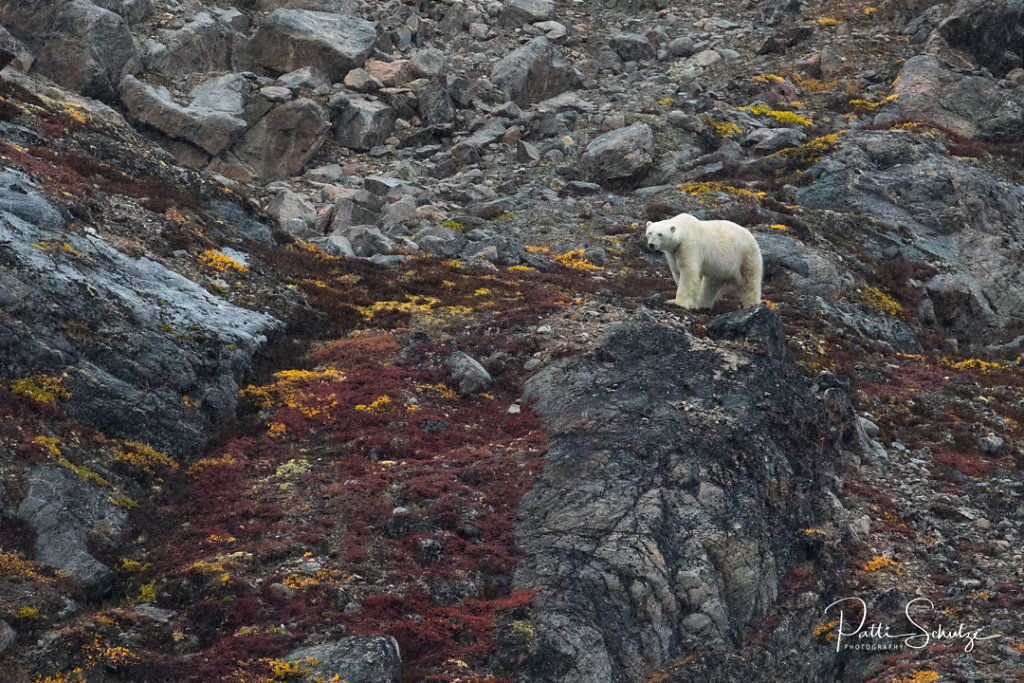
{"type": "Point", "coordinates": [706, 257]}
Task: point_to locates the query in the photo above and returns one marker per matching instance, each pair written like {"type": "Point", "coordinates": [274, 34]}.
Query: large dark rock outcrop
{"type": "Point", "coordinates": [665, 520]}
{"type": "Point", "coordinates": [150, 336]}
{"type": "Point", "coordinates": [934, 207]}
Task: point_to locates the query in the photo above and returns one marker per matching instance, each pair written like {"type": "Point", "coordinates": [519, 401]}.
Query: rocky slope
{"type": "Point", "coordinates": [329, 350]}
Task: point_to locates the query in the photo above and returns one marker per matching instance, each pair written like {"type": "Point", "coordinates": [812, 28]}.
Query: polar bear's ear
{"type": "Point", "coordinates": [649, 224]}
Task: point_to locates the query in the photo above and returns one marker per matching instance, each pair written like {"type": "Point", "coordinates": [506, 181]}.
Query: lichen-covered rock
{"type": "Point", "coordinates": [288, 39]}
{"type": "Point", "coordinates": [664, 520]}
{"type": "Point", "coordinates": [156, 336]}
{"type": "Point", "coordinates": [956, 212]}
{"type": "Point", "coordinates": [971, 105]}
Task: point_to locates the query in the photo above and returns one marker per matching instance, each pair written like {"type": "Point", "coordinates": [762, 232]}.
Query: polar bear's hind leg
{"type": "Point", "coordinates": [750, 273]}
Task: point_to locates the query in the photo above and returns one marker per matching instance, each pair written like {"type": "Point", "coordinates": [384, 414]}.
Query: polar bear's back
{"type": "Point", "coordinates": [723, 245]}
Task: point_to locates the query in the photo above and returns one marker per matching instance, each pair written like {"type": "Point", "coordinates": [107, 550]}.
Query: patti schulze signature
{"type": "Point", "coordinates": [920, 638]}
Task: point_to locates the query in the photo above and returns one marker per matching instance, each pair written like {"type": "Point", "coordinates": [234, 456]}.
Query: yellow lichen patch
{"type": "Point", "coordinates": [725, 128]}
{"type": "Point", "coordinates": [881, 562]}
{"type": "Point", "coordinates": [815, 531]}
{"type": "Point", "coordinates": [298, 581]}
{"type": "Point", "coordinates": [768, 78]}
{"type": "Point", "coordinates": [441, 389]}
{"type": "Point", "coordinates": [292, 389]}
{"type": "Point", "coordinates": [574, 259]}
{"type": "Point", "coordinates": [173, 214]}
{"type": "Point", "coordinates": [779, 115]}
{"type": "Point", "coordinates": [376, 406]}
{"type": "Point", "coordinates": [875, 298]}
{"type": "Point", "coordinates": [770, 305]}
{"type": "Point", "coordinates": [520, 269]}
{"type": "Point", "coordinates": [826, 21]}
{"type": "Point", "coordinates": [814, 85]}
{"type": "Point", "coordinates": [534, 249]}
{"type": "Point", "coordinates": [524, 627]}
{"type": "Point", "coordinates": [222, 263]}
{"type": "Point", "coordinates": [143, 457]}
{"type": "Point", "coordinates": [453, 224]}
{"type": "Point", "coordinates": [123, 502]}
{"type": "Point", "coordinates": [28, 612]}
{"type": "Point", "coordinates": [12, 565]}
{"type": "Point", "coordinates": [924, 676]}
{"type": "Point", "coordinates": [290, 469]}
{"type": "Point", "coordinates": [84, 473]}
{"type": "Point", "coordinates": [826, 632]}
{"type": "Point", "coordinates": [779, 226]}
{"type": "Point", "coordinates": [42, 388]}
{"type": "Point", "coordinates": [871, 106]}
{"type": "Point", "coordinates": [211, 462]}
{"type": "Point", "coordinates": [666, 100]}
{"type": "Point", "coordinates": [809, 152]}
{"type": "Point", "coordinates": [710, 187]}
{"type": "Point", "coordinates": [421, 304]}
{"type": "Point", "coordinates": [50, 443]}
{"type": "Point", "coordinates": [75, 114]}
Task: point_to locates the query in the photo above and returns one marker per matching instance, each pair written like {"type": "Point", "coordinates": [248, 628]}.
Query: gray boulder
{"type": "Point", "coordinates": [361, 123]}
{"type": "Point", "coordinates": [66, 513]}
{"type": "Point", "coordinates": [670, 507]}
{"type": "Point", "coordinates": [473, 376]}
{"type": "Point", "coordinates": [973, 106]}
{"type": "Point", "coordinates": [203, 44]}
{"type": "Point", "coordinates": [620, 155]}
{"type": "Point", "coordinates": [288, 39]}
{"type": "Point", "coordinates": [355, 659]}
{"type": "Point", "coordinates": [293, 212]}
{"type": "Point", "coordinates": [632, 47]}
{"type": "Point", "coordinates": [85, 48]}
{"type": "Point", "coordinates": [355, 207]}
{"type": "Point", "coordinates": [157, 336]}
{"type": "Point", "coordinates": [281, 143]}
{"type": "Point", "coordinates": [988, 31]}
{"type": "Point", "coordinates": [535, 72]}
{"type": "Point", "coordinates": [519, 12]}
{"type": "Point", "coordinates": [428, 63]}
{"type": "Point", "coordinates": [211, 130]}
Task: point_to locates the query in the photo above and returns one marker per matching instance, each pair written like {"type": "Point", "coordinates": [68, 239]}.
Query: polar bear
{"type": "Point", "coordinates": [706, 257]}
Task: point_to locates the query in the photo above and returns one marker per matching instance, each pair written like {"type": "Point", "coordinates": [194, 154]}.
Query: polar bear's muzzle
{"type": "Point", "coordinates": [651, 247]}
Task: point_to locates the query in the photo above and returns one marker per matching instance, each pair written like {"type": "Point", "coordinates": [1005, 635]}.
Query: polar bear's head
{"type": "Point", "coordinates": [662, 236]}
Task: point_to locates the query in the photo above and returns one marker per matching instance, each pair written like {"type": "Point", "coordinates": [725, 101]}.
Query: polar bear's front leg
{"type": "Point", "coordinates": [671, 257]}
{"type": "Point", "coordinates": [688, 285]}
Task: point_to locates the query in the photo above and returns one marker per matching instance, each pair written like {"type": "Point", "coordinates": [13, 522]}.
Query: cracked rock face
{"type": "Point", "coordinates": [663, 521]}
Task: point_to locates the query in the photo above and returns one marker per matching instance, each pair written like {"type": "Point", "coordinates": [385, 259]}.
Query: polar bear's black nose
{"type": "Point", "coordinates": [650, 246]}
